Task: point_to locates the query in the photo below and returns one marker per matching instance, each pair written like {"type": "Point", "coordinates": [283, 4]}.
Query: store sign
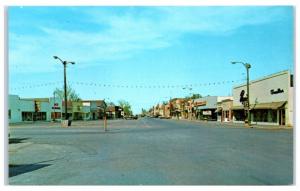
{"type": "Point", "coordinates": [277, 91]}
{"type": "Point", "coordinates": [200, 103]}
{"type": "Point", "coordinates": [86, 104]}
{"type": "Point", "coordinates": [206, 112]}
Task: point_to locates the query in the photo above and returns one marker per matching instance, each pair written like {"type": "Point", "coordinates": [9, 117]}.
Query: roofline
{"type": "Point", "coordinates": [212, 96]}
{"type": "Point", "coordinates": [263, 78]}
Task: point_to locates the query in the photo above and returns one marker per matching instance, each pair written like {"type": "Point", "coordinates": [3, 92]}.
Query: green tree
{"type": "Point", "coordinates": [144, 111]}
{"type": "Point", "coordinates": [126, 107]}
{"type": "Point", "coordinates": [71, 94]}
{"type": "Point", "coordinates": [194, 96]}
{"type": "Point", "coordinates": [165, 102]}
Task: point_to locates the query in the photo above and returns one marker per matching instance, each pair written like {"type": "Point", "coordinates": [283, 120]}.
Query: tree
{"type": "Point", "coordinates": [126, 107]}
{"type": "Point", "coordinates": [110, 104]}
{"type": "Point", "coordinates": [144, 111]}
{"type": "Point", "coordinates": [194, 96]}
{"type": "Point", "coordinates": [165, 102]}
{"type": "Point", "coordinates": [71, 94]}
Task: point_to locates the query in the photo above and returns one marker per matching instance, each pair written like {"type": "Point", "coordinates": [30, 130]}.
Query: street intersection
{"type": "Point", "coordinates": [149, 151]}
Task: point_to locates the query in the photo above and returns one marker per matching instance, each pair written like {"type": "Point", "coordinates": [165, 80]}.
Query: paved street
{"type": "Point", "coordinates": [149, 151]}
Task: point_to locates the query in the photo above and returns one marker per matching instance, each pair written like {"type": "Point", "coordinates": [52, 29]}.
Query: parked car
{"type": "Point", "coordinates": [131, 117]}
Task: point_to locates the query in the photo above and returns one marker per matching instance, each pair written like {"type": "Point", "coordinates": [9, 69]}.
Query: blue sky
{"type": "Point", "coordinates": [146, 49]}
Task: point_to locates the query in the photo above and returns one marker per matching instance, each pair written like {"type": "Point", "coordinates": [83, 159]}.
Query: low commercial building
{"type": "Point", "coordinates": [167, 110]}
{"type": "Point", "coordinates": [224, 110]}
{"type": "Point", "coordinates": [271, 100]}
{"type": "Point", "coordinates": [81, 110]}
{"type": "Point", "coordinates": [114, 112]}
{"type": "Point", "coordinates": [49, 109]}
{"type": "Point", "coordinates": [177, 108]}
{"type": "Point", "coordinates": [206, 107]}
{"type": "Point", "coordinates": [28, 109]}
{"type": "Point", "coordinates": [97, 108]}
{"type": "Point", "coordinates": [56, 108]}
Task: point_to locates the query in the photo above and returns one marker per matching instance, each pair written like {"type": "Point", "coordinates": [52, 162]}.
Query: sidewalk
{"type": "Point", "coordinates": [237, 125]}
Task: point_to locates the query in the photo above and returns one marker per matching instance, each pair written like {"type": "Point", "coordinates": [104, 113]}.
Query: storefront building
{"type": "Point", "coordinates": [224, 110]}
{"type": "Point", "coordinates": [52, 109]}
{"type": "Point", "coordinates": [206, 107]}
{"type": "Point", "coordinates": [271, 100]}
{"type": "Point", "coordinates": [177, 108]}
{"type": "Point", "coordinates": [97, 109]}
{"type": "Point", "coordinates": [32, 109]}
{"type": "Point", "coordinates": [56, 109]}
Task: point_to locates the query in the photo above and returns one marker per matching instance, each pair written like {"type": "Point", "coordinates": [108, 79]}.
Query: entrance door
{"type": "Point", "coordinates": [282, 117]}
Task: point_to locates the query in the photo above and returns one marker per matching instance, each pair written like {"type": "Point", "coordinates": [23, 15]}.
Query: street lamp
{"type": "Point", "coordinates": [65, 82]}
{"type": "Point", "coordinates": [247, 66]}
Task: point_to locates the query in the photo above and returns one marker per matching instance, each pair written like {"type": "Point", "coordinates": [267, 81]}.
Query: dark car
{"type": "Point", "coordinates": [131, 117]}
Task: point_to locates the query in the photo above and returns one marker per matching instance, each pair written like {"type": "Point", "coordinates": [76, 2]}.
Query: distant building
{"type": "Point", "coordinates": [271, 100]}
{"type": "Point", "coordinates": [97, 108]}
{"type": "Point", "coordinates": [167, 110]}
{"type": "Point", "coordinates": [177, 108]}
{"type": "Point", "coordinates": [114, 112]}
{"type": "Point", "coordinates": [224, 110]}
{"type": "Point", "coordinates": [206, 107]}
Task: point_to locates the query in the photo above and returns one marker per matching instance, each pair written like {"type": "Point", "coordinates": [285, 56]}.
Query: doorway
{"type": "Point", "coordinates": [282, 117]}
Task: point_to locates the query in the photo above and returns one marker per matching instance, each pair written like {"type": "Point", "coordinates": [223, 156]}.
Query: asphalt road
{"type": "Point", "coordinates": [149, 152]}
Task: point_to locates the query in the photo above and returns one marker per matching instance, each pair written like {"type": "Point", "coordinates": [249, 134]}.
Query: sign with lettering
{"type": "Point", "coordinates": [276, 91]}
{"type": "Point", "coordinates": [200, 103]}
{"type": "Point", "coordinates": [208, 112]}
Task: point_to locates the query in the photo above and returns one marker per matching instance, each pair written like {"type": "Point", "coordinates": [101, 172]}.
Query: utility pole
{"type": "Point", "coordinates": [247, 66]}
{"type": "Point", "coordinates": [65, 84]}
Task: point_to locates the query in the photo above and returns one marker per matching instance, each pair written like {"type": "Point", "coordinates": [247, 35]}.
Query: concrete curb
{"type": "Point", "coordinates": [240, 125]}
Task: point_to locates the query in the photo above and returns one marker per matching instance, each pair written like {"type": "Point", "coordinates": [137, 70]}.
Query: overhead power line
{"type": "Point", "coordinates": [131, 86]}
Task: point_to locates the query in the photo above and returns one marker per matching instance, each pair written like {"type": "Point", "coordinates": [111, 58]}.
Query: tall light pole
{"type": "Point", "coordinates": [65, 82]}
{"type": "Point", "coordinates": [247, 66]}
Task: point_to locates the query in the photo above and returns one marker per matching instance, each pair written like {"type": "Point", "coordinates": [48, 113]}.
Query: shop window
{"type": "Point", "coordinates": [265, 115]}
{"type": "Point", "coordinates": [260, 115]}
{"type": "Point", "coordinates": [273, 116]}
{"type": "Point", "coordinates": [27, 116]}
{"type": "Point", "coordinates": [239, 115]}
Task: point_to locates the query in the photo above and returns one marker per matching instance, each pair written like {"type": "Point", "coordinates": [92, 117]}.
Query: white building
{"type": "Point", "coordinates": [225, 110]}
{"type": "Point", "coordinates": [28, 109]}
{"type": "Point", "coordinates": [271, 100]}
{"type": "Point", "coordinates": [48, 109]}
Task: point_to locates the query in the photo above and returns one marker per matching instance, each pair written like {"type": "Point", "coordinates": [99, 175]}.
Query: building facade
{"type": "Point", "coordinates": [271, 100]}
{"type": "Point", "coordinates": [224, 110]}
{"type": "Point", "coordinates": [28, 109]}
{"type": "Point", "coordinates": [177, 108]}
{"type": "Point", "coordinates": [50, 109]}
{"type": "Point", "coordinates": [206, 107]}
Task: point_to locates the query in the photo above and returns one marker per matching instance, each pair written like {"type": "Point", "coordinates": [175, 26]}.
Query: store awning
{"type": "Point", "coordinates": [271, 105]}
{"type": "Point", "coordinates": [218, 109]}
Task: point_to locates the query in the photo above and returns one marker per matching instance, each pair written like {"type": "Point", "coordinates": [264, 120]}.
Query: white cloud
{"type": "Point", "coordinates": [127, 33]}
